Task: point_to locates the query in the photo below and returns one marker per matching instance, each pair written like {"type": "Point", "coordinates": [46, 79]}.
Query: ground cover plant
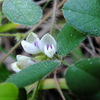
{"type": "Point", "coordinates": [50, 50]}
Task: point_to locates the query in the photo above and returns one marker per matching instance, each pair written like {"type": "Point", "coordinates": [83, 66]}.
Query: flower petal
{"type": "Point", "coordinates": [30, 48]}
{"type": "Point", "coordinates": [15, 67]}
{"type": "Point", "coordinates": [49, 51]}
{"type": "Point", "coordinates": [47, 39]}
{"type": "Point", "coordinates": [21, 57]}
{"type": "Point", "coordinates": [24, 61]}
{"type": "Point", "coordinates": [32, 37]}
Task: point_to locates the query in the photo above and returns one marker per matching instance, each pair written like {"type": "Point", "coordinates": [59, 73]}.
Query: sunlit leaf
{"type": "Point", "coordinates": [8, 27]}
{"type": "Point", "coordinates": [8, 92]}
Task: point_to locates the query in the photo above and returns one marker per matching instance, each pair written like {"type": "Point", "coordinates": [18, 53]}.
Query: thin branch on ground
{"type": "Point", "coordinates": [53, 16]}
{"type": "Point", "coordinates": [89, 50]}
{"type": "Point", "coordinates": [91, 44]}
{"type": "Point", "coordinates": [33, 86]}
{"type": "Point", "coordinates": [57, 84]}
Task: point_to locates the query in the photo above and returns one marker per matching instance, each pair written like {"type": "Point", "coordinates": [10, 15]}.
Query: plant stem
{"type": "Point", "coordinates": [58, 87]}
{"type": "Point", "coordinates": [46, 17]}
{"type": "Point", "coordinates": [57, 57]}
{"type": "Point", "coordinates": [35, 90]}
{"type": "Point", "coordinates": [64, 62]}
{"type": "Point", "coordinates": [8, 35]}
{"type": "Point", "coordinates": [11, 35]}
{"type": "Point", "coordinates": [53, 17]}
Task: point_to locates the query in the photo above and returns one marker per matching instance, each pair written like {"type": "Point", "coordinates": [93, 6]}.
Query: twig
{"type": "Point", "coordinates": [33, 86]}
{"type": "Point", "coordinates": [46, 17]}
{"type": "Point", "coordinates": [91, 44]}
{"type": "Point", "coordinates": [89, 50]}
{"type": "Point", "coordinates": [57, 84]}
{"type": "Point", "coordinates": [53, 16]}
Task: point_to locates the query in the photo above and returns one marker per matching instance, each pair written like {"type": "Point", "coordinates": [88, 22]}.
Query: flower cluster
{"type": "Point", "coordinates": [34, 45]}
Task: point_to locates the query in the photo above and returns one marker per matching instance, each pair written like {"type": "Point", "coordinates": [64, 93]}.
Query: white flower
{"type": "Point", "coordinates": [22, 62]}
{"type": "Point", "coordinates": [31, 45]}
{"type": "Point", "coordinates": [47, 45]}
{"type": "Point", "coordinates": [15, 67]}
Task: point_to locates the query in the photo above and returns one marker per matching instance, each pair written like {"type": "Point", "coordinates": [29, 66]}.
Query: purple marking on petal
{"type": "Point", "coordinates": [33, 60]}
{"type": "Point", "coordinates": [36, 44]}
{"type": "Point", "coordinates": [49, 46]}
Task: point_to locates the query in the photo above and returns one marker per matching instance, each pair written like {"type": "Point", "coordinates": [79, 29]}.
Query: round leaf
{"type": "Point", "coordinates": [24, 12]}
{"type": "Point", "coordinates": [83, 15]}
{"type": "Point", "coordinates": [8, 92]}
{"type": "Point", "coordinates": [83, 78]}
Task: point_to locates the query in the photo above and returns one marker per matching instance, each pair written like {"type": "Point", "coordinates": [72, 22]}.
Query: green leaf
{"type": "Point", "coordinates": [83, 78]}
{"type": "Point", "coordinates": [4, 73]}
{"type": "Point", "coordinates": [24, 12]}
{"type": "Point", "coordinates": [8, 27]}
{"type": "Point", "coordinates": [32, 73]}
{"type": "Point", "coordinates": [83, 15]}
{"type": "Point", "coordinates": [68, 39]}
{"type": "Point", "coordinates": [8, 92]}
